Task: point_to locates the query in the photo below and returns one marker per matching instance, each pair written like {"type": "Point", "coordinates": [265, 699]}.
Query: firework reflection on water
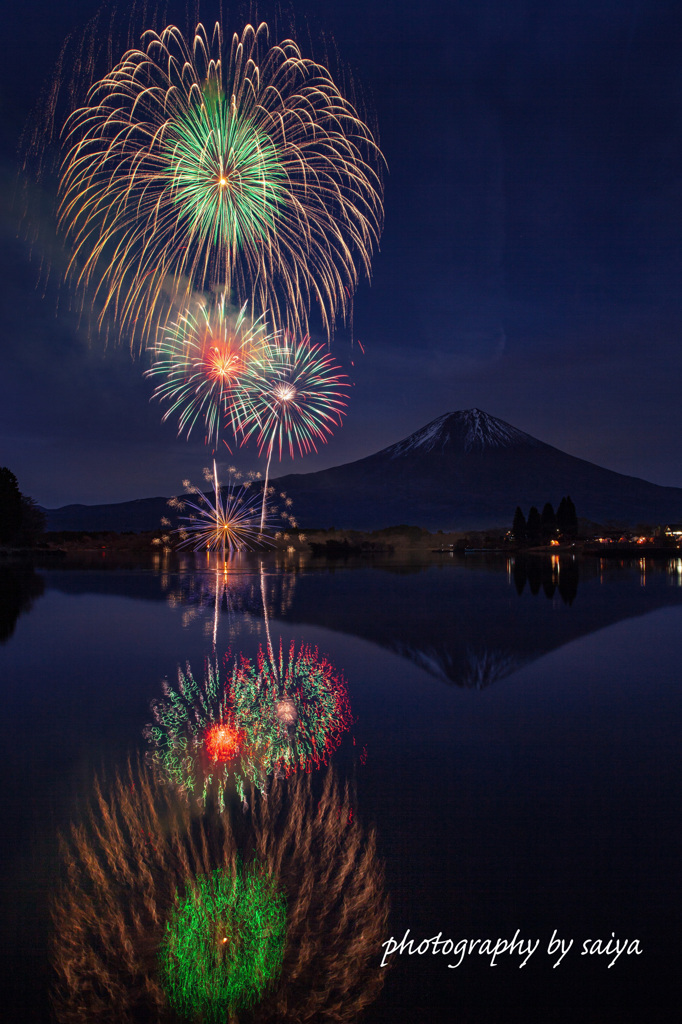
{"type": "Point", "coordinates": [228, 591]}
{"type": "Point", "coordinates": [277, 716]}
{"type": "Point", "coordinates": [139, 846]}
{"type": "Point", "coordinates": [294, 708]}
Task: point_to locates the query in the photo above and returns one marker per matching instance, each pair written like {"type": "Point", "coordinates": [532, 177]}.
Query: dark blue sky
{"type": "Point", "coordinates": [530, 265]}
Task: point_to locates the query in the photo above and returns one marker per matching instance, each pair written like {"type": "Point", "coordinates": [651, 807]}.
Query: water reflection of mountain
{"type": "Point", "coordinates": [19, 587]}
{"type": "Point", "coordinates": [472, 625]}
{"type": "Point", "coordinates": [466, 623]}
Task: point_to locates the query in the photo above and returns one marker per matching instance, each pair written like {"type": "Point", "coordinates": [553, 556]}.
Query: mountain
{"type": "Point", "coordinates": [141, 514]}
{"type": "Point", "coordinates": [468, 470]}
{"type": "Point", "coordinates": [464, 470]}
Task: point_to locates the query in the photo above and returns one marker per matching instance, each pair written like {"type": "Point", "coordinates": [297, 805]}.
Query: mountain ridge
{"type": "Point", "coordinates": [463, 470]}
{"type": "Point", "coordinates": [482, 430]}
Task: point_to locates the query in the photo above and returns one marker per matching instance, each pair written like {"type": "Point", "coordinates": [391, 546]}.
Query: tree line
{"type": "Point", "coordinates": [546, 526]}
{"type": "Point", "coordinates": [21, 519]}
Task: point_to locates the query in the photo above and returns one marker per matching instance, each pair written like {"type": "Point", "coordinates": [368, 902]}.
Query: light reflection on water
{"type": "Point", "coordinates": [521, 723]}
{"type": "Point", "coordinates": [141, 852]}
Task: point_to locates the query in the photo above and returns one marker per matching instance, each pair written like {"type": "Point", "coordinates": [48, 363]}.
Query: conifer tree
{"type": "Point", "coordinates": [562, 516]}
{"type": "Point", "coordinates": [21, 520]}
{"type": "Point", "coordinates": [548, 522]}
{"type": "Point", "coordinates": [534, 524]}
{"type": "Point", "coordinates": [519, 526]}
{"type": "Point", "coordinates": [10, 506]}
{"type": "Point", "coordinates": [567, 520]}
{"type": "Point", "coordinates": [572, 518]}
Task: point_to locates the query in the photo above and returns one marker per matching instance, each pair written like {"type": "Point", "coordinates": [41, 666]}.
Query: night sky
{"type": "Point", "coordinates": [530, 264]}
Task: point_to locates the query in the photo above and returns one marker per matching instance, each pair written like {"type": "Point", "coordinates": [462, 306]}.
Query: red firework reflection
{"type": "Point", "coordinates": [223, 742]}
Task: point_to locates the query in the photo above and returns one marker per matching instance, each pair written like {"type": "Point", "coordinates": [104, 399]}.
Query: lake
{"type": "Point", "coordinates": [511, 733]}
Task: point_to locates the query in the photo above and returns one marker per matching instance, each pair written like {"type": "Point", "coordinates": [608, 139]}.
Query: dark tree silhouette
{"type": "Point", "coordinates": [10, 506]}
{"type": "Point", "coordinates": [568, 581]}
{"type": "Point", "coordinates": [548, 522]}
{"type": "Point", "coordinates": [32, 522]}
{"type": "Point", "coordinates": [548, 581]}
{"type": "Point", "coordinates": [566, 517]}
{"type": "Point", "coordinates": [519, 526]}
{"type": "Point", "coordinates": [19, 586]}
{"type": "Point", "coordinates": [534, 574]}
{"type": "Point", "coordinates": [534, 524]}
{"type": "Point", "coordinates": [21, 519]}
{"type": "Point", "coordinates": [572, 517]}
{"type": "Point", "coordinates": [520, 576]}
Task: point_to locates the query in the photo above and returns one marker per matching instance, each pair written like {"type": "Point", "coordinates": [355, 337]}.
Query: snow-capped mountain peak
{"type": "Point", "coordinates": [471, 428]}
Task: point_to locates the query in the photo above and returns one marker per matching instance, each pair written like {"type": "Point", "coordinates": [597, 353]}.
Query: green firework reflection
{"type": "Point", "coordinates": [224, 943]}
{"type": "Point", "coordinates": [117, 909]}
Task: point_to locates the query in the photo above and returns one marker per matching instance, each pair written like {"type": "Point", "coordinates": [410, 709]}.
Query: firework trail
{"type": "Point", "coordinates": [201, 359]}
{"type": "Point", "coordinates": [141, 863]}
{"type": "Point", "coordinates": [297, 395]}
{"type": "Point", "coordinates": [235, 520]}
{"type": "Point", "coordinates": [239, 169]}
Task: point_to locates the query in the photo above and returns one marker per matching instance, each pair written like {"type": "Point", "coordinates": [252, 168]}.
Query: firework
{"type": "Point", "coordinates": [223, 742]}
{"type": "Point", "coordinates": [293, 710]}
{"type": "Point", "coordinates": [224, 943]}
{"type": "Point", "coordinates": [245, 172]}
{"type": "Point", "coordinates": [277, 716]}
{"type": "Point", "coordinates": [196, 744]}
{"type": "Point", "coordinates": [297, 396]}
{"type": "Point", "coordinates": [201, 360]}
{"type": "Point", "coordinates": [142, 863]}
{"type": "Point", "coordinates": [233, 521]}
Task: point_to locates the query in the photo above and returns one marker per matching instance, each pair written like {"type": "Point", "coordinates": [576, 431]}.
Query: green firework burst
{"type": "Point", "coordinates": [200, 361]}
{"type": "Point", "coordinates": [224, 943]}
{"type": "Point", "coordinates": [224, 172]}
{"type": "Point", "coordinates": [204, 164]}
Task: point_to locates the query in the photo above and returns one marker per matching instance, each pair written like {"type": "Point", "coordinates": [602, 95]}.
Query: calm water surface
{"type": "Point", "coordinates": [515, 743]}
